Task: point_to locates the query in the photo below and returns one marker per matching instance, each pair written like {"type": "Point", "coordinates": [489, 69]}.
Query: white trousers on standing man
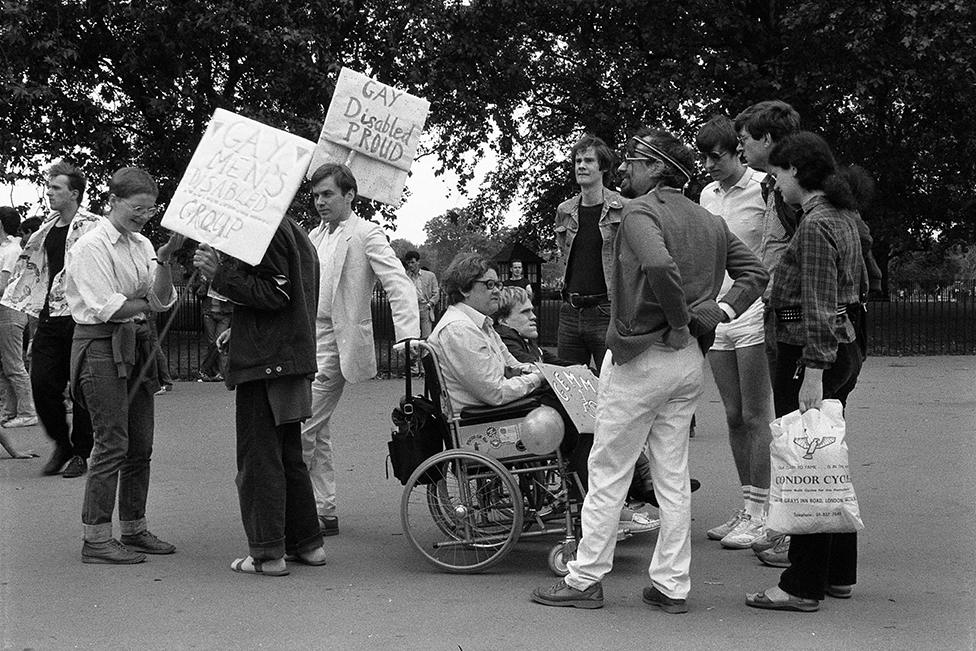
{"type": "Point", "coordinates": [647, 401]}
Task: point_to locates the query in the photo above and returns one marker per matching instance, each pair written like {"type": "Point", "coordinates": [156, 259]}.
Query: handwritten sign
{"type": "Point", "coordinates": [576, 387]}
{"type": "Point", "coordinates": [375, 129]}
{"type": "Point", "coordinates": [238, 185]}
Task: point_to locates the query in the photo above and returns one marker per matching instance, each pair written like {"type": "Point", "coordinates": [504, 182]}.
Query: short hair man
{"type": "Point", "coordinates": [353, 253]}
{"type": "Point", "coordinates": [668, 262]}
{"type": "Point", "coordinates": [36, 288]}
{"type": "Point", "coordinates": [428, 293]}
{"type": "Point", "coordinates": [517, 277]}
{"type": "Point", "coordinates": [585, 229]}
{"type": "Point", "coordinates": [737, 356]}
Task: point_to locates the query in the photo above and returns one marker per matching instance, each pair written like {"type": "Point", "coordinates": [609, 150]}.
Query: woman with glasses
{"type": "Point", "coordinates": [817, 357]}
{"type": "Point", "coordinates": [114, 277]}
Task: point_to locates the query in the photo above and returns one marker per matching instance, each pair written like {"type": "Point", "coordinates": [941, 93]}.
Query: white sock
{"type": "Point", "coordinates": [756, 502]}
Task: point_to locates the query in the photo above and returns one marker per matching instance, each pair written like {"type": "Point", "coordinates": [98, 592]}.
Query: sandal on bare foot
{"type": "Point", "coordinates": [796, 604]}
{"type": "Point", "coordinates": [316, 557]}
{"type": "Point", "coordinates": [248, 565]}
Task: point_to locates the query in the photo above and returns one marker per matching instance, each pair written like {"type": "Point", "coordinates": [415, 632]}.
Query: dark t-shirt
{"type": "Point", "coordinates": [584, 273]}
{"type": "Point", "coordinates": [54, 250]}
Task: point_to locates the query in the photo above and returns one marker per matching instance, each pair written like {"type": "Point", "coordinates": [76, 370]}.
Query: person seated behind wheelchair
{"type": "Point", "coordinates": [515, 323]}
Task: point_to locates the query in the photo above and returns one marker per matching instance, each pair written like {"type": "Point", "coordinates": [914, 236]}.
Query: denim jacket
{"type": "Point", "coordinates": [567, 224]}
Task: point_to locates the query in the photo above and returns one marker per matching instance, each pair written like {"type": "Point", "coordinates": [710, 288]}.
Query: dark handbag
{"type": "Point", "coordinates": [419, 433]}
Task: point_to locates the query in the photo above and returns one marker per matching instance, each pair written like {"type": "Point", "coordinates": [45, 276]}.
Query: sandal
{"type": "Point", "coordinates": [304, 560]}
{"type": "Point", "coordinates": [248, 565]}
{"type": "Point", "coordinates": [796, 604]}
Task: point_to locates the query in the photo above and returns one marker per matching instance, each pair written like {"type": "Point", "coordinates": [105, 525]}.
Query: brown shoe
{"type": "Point", "coordinates": [111, 552]}
{"type": "Point", "coordinates": [75, 468]}
{"type": "Point", "coordinates": [147, 543]}
{"type": "Point", "coordinates": [654, 597]}
{"type": "Point", "coordinates": [329, 525]}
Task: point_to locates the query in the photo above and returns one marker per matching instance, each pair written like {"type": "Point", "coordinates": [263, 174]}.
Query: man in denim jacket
{"type": "Point", "coordinates": [586, 226]}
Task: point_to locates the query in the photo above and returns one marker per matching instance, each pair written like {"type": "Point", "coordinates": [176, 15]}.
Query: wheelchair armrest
{"type": "Point", "coordinates": [514, 409]}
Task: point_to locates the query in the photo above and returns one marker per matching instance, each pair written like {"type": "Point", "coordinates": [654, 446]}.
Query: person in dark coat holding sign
{"type": "Point", "coordinates": [271, 364]}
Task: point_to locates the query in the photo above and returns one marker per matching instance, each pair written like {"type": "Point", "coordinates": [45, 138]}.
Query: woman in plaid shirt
{"type": "Point", "coordinates": [821, 273]}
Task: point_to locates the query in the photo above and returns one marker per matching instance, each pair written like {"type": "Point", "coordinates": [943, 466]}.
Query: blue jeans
{"type": "Point", "coordinates": [582, 334]}
{"type": "Point", "coordinates": [123, 441]}
{"type": "Point", "coordinates": [277, 503]}
{"type": "Point", "coordinates": [14, 380]}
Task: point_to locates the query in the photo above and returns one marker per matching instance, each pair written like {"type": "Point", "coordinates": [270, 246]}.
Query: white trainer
{"type": "Point", "coordinates": [745, 533]}
{"type": "Point", "coordinates": [722, 530]}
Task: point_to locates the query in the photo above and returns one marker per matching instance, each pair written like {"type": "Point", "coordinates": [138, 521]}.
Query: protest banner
{"type": "Point", "coordinates": [375, 130]}
{"type": "Point", "coordinates": [576, 387]}
{"type": "Point", "coordinates": [238, 185]}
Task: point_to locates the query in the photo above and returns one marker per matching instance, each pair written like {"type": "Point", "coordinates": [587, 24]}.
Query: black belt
{"type": "Point", "coordinates": [795, 312]}
{"type": "Point", "coordinates": [579, 301]}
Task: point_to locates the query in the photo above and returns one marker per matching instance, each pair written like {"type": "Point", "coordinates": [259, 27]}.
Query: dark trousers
{"type": "Point", "coordinates": [822, 559]}
{"type": "Point", "coordinates": [582, 334]}
{"type": "Point", "coordinates": [277, 503]}
{"type": "Point", "coordinates": [50, 368]}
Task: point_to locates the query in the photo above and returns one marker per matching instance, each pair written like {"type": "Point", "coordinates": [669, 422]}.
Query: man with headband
{"type": "Point", "coordinates": [668, 264]}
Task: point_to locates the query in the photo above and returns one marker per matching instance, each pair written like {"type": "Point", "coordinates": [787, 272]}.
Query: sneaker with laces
{"type": "Point", "coordinates": [110, 552]}
{"type": "Point", "coordinates": [562, 594]}
{"type": "Point", "coordinates": [21, 421]}
{"type": "Point", "coordinates": [765, 541]}
{"type": "Point", "coordinates": [778, 554]}
{"type": "Point", "coordinates": [744, 534]}
{"type": "Point", "coordinates": [639, 522]}
{"type": "Point", "coordinates": [147, 543]}
{"type": "Point", "coordinates": [722, 530]}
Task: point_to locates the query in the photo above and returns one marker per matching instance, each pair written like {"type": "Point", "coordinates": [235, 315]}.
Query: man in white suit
{"type": "Point", "coordinates": [353, 254]}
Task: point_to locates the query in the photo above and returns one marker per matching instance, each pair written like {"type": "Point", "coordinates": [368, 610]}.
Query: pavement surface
{"type": "Point", "coordinates": [913, 453]}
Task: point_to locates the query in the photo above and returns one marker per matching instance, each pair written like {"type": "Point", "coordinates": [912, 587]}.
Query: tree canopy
{"type": "Point", "coordinates": [890, 83]}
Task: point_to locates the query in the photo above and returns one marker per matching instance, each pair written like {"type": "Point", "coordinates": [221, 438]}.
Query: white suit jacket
{"type": "Point", "coordinates": [361, 257]}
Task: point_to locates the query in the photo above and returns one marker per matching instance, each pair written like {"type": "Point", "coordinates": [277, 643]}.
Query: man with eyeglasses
{"type": "Point", "coordinates": [585, 229]}
{"type": "Point", "coordinates": [36, 288]}
{"type": "Point", "coordinates": [669, 259]}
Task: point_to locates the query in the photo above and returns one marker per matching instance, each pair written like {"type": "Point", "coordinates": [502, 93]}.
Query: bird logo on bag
{"type": "Point", "coordinates": [812, 445]}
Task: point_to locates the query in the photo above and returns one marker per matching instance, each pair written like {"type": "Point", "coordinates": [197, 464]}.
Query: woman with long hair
{"type": "Point", "coordinates": [820, 274]}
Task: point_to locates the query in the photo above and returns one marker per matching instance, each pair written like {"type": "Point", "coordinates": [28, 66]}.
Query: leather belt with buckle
{"type": "Point", "coordinates": [579, 301]}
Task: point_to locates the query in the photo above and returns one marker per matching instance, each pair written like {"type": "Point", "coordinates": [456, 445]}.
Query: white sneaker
{"type": "Point", "coordinates": [21, 421]}
{"type": "Point", "coordinates": [639, 523]}
{"type": "Point", "coordinates": [722, 530]}
{"type": "Point", "coordinates": [745, 533]}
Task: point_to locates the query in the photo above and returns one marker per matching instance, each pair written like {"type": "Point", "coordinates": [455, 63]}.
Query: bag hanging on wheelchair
{"type": "Point", "coordinates": [419, 433]}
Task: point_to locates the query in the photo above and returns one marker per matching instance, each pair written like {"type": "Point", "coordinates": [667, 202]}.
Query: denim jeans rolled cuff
{"type": "Point", "coordinates": [133, 527]}
{"type": "Point", "coordinates": [97, 533]}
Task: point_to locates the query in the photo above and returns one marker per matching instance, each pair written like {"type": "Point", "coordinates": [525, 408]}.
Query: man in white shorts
{"type": "Point", "coordinates": [738, 357]}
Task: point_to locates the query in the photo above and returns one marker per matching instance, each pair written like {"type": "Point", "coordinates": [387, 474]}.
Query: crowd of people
{"type": "Point", "coordinates": [763, 277]}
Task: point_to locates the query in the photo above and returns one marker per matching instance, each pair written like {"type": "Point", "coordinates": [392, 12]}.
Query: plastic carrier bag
{"type": "Point", "coordinates": [810, 478]}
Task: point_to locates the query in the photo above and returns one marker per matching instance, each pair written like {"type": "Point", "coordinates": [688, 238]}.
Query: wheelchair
{"type": "Point", "coordinates": [465, 508]}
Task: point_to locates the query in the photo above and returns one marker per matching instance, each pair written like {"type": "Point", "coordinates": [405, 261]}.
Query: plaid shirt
{"type": "Point", "coordinates": [820, 270]}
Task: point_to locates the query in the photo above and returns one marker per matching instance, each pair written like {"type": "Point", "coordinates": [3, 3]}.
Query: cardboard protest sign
{"type": "Point", "coordinates": [576, 387]}
{"type": "Point", "coordinates": [375, 129]}
{"type": "Point", "coordinates": [238, 185]}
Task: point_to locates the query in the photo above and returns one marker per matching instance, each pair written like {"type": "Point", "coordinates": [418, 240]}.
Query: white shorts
{"type": "Point", "coordinates": [746, 330]}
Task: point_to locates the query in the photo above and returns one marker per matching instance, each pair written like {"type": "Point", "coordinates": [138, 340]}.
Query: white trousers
{"type": "Point", "coordinates": [649, 401]}
{"type": "Point", "coordinates": [316, 432]}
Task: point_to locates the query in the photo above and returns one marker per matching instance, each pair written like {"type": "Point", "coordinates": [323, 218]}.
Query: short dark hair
{"type": "Point", "coordinates": [76, 178]}
{"type": "Point", "coordinates": [10, 220]}
{"type": "Point", "coordinates": [130, 181]}
{"type": "Point", "coordinates": [511, 297]}
{"type": "Point", "coordinates": [673, 176]}
{"type": "Point", "coordinates": [30, 225]}
{"type": "Point", "coordinates": [717, 134]}
{"type": "Point", "coordinates": [774, 117]}
{"type": "Point", "coordinates": [604, 155]}
{"type": "Point", "coordinates": [344, 179]}
{"type": "Point", "coordinates": [460, 275]}
{"type": "Point", "coordinates": [412, 255]}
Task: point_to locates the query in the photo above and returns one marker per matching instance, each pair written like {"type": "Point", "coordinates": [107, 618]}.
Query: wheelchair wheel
{"type": "Point", "coordinates": [559, 556]}
{"type": "Point", "coordinates": [466, 520]}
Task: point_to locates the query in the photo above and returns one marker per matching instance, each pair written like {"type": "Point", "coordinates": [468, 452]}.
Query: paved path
{"type": "Point", "coordinates": [913, 452]}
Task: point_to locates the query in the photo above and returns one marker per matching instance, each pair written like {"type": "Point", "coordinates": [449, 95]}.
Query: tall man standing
{"type": "Point", "coordinates": [37, 288]}
{"type": "Point", "coordinates": [353, 253]}
{"type": "Point", "coordinates": [585, 229]}
{"type": "Point", "coordinates": [669, 259]}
